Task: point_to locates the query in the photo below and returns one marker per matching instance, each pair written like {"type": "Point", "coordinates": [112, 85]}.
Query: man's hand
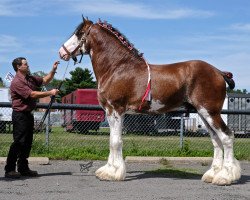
{"type": "Point", "coordinates": [54, 92]}
{"type": "Point", "coordinates": [55, 66]}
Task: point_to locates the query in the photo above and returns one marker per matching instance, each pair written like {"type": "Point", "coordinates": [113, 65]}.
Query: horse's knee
{"type": "Point", "coordinates": [115, 143]}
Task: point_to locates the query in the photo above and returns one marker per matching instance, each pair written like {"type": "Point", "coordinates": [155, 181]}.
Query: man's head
{"type": "Point", "coordinates": [20, 64]}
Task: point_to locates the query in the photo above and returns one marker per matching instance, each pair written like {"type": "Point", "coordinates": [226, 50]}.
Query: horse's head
{"type": "Point", "coordinates": [78, 43]}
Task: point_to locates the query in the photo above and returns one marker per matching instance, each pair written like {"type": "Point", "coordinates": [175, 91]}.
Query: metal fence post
{"type": "Point", "coordinates": [181, 131]}
{"type": "Point", "coordinates": [47, 130]}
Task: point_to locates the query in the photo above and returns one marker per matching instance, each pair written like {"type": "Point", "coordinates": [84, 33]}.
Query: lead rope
{"type": "Point", "coordinates": [52, 99]}
{"type": "Point", "coordinates": [147, 95]}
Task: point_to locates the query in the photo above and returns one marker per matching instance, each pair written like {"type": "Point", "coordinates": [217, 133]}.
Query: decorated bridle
{"type": "Point", "coordinates": [82, 40]}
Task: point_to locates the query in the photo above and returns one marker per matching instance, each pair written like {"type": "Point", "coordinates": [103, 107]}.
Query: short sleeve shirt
{"type": "Point", "coordinates": [20, 90]}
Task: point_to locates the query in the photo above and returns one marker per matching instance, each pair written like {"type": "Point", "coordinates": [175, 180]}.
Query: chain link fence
{"type": "Point", "coordinates": [84, 128]}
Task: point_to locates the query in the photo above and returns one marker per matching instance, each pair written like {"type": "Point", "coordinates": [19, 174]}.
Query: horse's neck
{"type": "Point", "coordinates": [109, 56]}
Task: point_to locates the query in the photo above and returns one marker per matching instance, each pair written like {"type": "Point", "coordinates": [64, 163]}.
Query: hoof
{"type": "Point", "coordinates": [221, 181]}
{"type": "Point", "coordinates": [207, 178]}
{"type": "Point", "coordinates": [110, 173]}
{"type": "Point", "coordinates": [210, 174]}
{"type": "Point", "coordinates": [222, 178]}
{"type": "Point", "coordinates": [228, 174]}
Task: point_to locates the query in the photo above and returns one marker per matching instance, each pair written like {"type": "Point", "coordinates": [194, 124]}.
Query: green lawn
{"type": "Point", "coordinates": [65, 145]}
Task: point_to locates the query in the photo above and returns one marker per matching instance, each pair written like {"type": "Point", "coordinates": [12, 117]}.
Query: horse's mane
{"type": "Point", "coordinates": [120, 37]}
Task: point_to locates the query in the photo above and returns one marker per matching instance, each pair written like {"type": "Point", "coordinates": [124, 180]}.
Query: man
{"type": "Point", "coordinates": [24, 94]}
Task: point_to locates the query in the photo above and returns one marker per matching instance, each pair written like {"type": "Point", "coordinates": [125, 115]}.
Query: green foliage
{"type": "Point", "coordinates": [80, 78]}
{"type": "Point", "coordinates": [1, 83]}
{"type": "Point", "coordinates": [53, 84]}
{"type": "Point", "coordinates": [237, 91]}
{"type": "Point", "coordinates": [186, 148]}
{"type": "Point", "coordinates": [39, 73]}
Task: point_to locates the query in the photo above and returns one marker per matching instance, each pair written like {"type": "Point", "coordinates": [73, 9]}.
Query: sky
{"type": "Point", "coordinates": [166, 31]}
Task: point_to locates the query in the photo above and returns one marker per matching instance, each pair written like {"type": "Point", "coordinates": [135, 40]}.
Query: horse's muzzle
{"type": "Point", "coordinates": [63, 54]}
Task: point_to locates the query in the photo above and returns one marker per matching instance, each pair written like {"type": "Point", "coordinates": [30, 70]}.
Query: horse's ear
{"type": "Point", "coordinates": [84, 19]}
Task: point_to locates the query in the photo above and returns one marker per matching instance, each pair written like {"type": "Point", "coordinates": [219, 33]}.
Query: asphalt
{"type": "Point", "coordinates": [68, 179]}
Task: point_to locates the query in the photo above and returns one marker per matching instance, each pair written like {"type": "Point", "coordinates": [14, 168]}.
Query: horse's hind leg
{"type": "Point", "coordinates": [218, 155]}
{"type": "Point", "coordinates": [231, 170]}
{"type": "Point", "coordinates": [115, 169]}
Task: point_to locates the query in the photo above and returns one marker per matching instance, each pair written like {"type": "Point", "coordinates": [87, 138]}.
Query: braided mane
{"type": "Point", "coordinates": [120, 37]}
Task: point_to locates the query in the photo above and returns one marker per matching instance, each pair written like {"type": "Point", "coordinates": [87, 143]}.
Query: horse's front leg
{"type": "Point", "coordinates": [115, 169]}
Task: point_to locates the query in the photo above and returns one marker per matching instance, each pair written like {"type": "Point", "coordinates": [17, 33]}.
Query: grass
{"type": "Point", "coordinates": [65, 145]}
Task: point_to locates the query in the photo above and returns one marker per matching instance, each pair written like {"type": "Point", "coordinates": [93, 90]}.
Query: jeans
{"type": "Point", "coordinates": [23, 128]}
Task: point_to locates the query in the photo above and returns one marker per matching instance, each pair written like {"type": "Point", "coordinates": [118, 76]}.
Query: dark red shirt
{"type": "Point", "coordinates": [20, 90]}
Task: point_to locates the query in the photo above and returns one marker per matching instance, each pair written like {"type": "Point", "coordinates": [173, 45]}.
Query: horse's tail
{"type": "Point", "coordinates": [228, 76]}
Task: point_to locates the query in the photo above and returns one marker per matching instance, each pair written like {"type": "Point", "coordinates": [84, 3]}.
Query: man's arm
{"type": "Point", "coordinates": [50, 75]}
{"type": "Point", "coordinates": [38, 94]}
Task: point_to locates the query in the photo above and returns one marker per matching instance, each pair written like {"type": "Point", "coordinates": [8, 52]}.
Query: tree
{"type": "Point", "coordinates": [238, 91]}
{"type": "Point", "coordinates": [52, 84]}
{"type": "Point", "coordinates": [1, 82]}
{"type": "Point", "coordinates": [80, 78]}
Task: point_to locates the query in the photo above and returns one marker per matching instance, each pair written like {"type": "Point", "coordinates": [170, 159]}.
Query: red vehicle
{"type": "Point", "coordinates": [82, 120]}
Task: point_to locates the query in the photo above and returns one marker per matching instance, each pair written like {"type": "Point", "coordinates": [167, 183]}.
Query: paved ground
{"type": "Point", "coordinates": [61, 180]}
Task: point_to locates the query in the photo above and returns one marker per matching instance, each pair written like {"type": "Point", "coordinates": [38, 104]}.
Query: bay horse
{"type": "Point", "coordinates": [127, 83]}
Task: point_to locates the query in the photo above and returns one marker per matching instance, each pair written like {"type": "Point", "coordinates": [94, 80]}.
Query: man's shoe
{"type": "Point", "coordinates": [12, 174]}
{"type": "Point", "coordinates": [29, 173]}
